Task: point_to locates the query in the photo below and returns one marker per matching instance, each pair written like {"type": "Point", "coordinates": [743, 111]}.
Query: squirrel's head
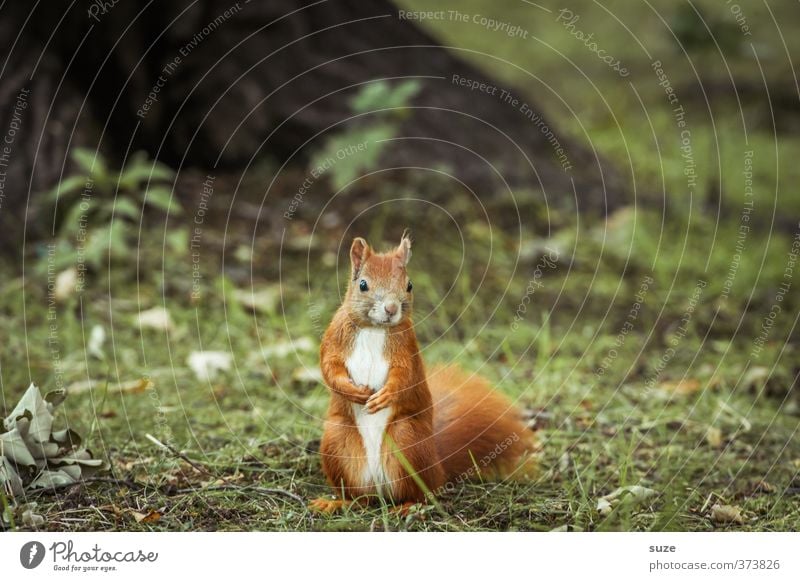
{"type": "Point", "coordinates": [380, 292]}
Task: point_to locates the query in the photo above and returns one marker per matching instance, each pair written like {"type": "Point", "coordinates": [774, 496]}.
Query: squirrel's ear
{"type": "Point", "coordinates": [404, 250]}
{"type": "Point", "coordinates": [359, 252]}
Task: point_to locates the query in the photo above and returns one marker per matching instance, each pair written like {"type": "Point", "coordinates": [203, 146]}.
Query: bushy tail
{"type": "Point", "coordinates": [478, 432]}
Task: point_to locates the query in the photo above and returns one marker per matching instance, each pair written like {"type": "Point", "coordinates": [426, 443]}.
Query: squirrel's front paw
{"type": "Point", "coordinates": [355, 393]}
{"type": "Point", "coordinates": [378, 401]}
{"type": "Point", "coordinates": [363, 395]}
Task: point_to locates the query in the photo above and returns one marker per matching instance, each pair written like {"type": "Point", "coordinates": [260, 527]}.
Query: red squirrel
{"type": "Point", "coordinates": [390, 427]}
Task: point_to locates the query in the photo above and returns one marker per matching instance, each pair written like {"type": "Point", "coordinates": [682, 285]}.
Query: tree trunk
{"type": "Point", "coordinates": [215, 83]}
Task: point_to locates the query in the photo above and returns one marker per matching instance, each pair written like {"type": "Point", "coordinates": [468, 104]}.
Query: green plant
{"type": "Point", "coordinates": [100, 207]}
{"type": "Point", "coordinates": [379, 108]}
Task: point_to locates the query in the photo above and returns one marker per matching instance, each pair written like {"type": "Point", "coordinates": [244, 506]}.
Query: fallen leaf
{"type": "Point", "coordinates": [726, 513]}
{"type": "Point", "coordinates": [31, 408]}
{"type": "Point", "coordinates": [141, 517]}
{"type": "Point", "coordinates": [532, 250]}
{"type": "Point", "coordinates": [73, 471]}
{"type": "Point", "coordinates": [566, 529]}
{"type": "Point", "coordinates": [54, 399]}
{"type": "Point", "coordinates": [157, 318]}
{"type": "Point", "coordinates": [207, 364]}
{"type": "Point", "coordinates": [45, 459]}
{"type": "Point", "coordinates": [263, 300]}
{"type": "Point", "coordinates": [65, 284]}
{"type": "Point", "coordinates": [564, 462]}
{"type": "Point", "coordinates": [618, 229]}
{"type": "Point", "coordinates": [66, 438]}
{"type": "Point", "coordinates": [51, 479]}
{"type": "Point", "coordinates": [634, 494]}
{"type": "Point", "coordinates": [13, 447]}
{"type": "Point", "coordinates": [133, 386]}
{"type": "Point", "coordinates": [9, 479]}
{"type": "Point", "coordinates": [284, 348]}
{"type": "Point", "coordinates": [761, 380]}
{"type": "Point", "coordinates": [714, 437]}
{"type": "Point", "coordinates": [682, 387]}
{"type": "Point", "coordinates": [604, 507]}
{"type": "Point", "coordinates": [96, 340]}
{"type": "Point", "coordinates": [755, 379]}
{"type": "Point", "coordinates": [82, 457]}
{"type": "Point", "coordinates": [29, 517]}
{"type": "Point", "coordinates": [244, 254]}
{"type": "Point", "coordinates": [763, 487]}
{"type": "Point", "coordinates": [307, 375]}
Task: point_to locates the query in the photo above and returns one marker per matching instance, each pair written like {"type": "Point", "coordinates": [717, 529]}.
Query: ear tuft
{"type": "Point", "coordinates": [404, 250]}
{"type": "Point", "coordinates": [359, 252]}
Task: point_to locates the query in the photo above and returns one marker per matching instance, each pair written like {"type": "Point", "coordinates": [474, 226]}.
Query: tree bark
{"type": "Point", "coordinates": [215, 83]}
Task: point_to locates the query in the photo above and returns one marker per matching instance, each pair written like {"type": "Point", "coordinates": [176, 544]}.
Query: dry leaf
{"type": "Point", "coordinates": [714, 437]}
{"type": "Point", "coordinates": [66, 282]}
{"type": "Point", "coordinates": [96, 340]}
{"type": "Point", "coordinates": [30, 518]}
{"type": "Point", "coordinates": [50, 459]}
{"type": "Point", "coordinates": [133, 386]}
{"type": "Point", "coordinates": [264, 300]}
{"type": "Point", "coordinates": [764, 487]}
{"type": "Point", "coordinates": [10, 480]}
{"type": "Point", "coordinates": [152, 516]}
{"type": "Point", "coordinates": [157, 318]}
{"type": "Point", "coordinates": [52, 479]}
{"type": "Point", "coordinates": [33, 413]}
{"type": "Point", "coordinates": [755, 379]}
{"type": "Point", "coordinates": [634, 494]}
{"type": "Point", "coordinates": [567, 529]}
{"type": "Point", "coordinates": [604, 507]}
{"type": "Point", "coordinates": [726, 513]}
{"type": "Point", "coordinates": [13, 447]}
{"type": "Point", "coordinates": [682, 387]}
{"type": "Point", "coordinates": [307, 375]}
{"type": "Point", "coordinates": [284, 348]}
{"type": "Point", "coordinates": [207, 364]}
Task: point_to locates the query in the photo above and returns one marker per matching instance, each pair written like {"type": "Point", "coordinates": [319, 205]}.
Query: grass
{"type": "Point", "coordinates": [680, 403]}
{"type": "Point", "coordinates": [255, 430]}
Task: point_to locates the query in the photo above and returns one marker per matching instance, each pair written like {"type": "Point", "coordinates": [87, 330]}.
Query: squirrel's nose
{"type": "Point", "coordinates": [390, 308]}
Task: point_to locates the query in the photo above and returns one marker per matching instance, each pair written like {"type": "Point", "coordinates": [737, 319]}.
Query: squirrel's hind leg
{"type": "Point", "coordinates": [343, 458]}
{"type": "Point", "coordinates": [408, 443]}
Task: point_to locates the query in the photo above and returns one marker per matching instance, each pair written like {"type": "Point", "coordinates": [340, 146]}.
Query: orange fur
{"type": "Point", "coordinates": [477, 430]}
{"type": "Point", "coordinates": [448, 427]}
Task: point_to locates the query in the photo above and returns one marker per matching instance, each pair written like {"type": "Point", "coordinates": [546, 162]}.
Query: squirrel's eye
{"type": "Point", "coordinates": [409, 287]}
{"type": "Point", "coordinates": [363, 286]}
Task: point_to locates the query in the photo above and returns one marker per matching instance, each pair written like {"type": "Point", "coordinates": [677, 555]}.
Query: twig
{"type": "Point", "coordinates": [117, 481]}
{"type": "Point", "coordinates": [221, 487]}
{"type": "Point", "coordinates": [257, 489]}
{"type": "Point", "coordinates": [180, 455]}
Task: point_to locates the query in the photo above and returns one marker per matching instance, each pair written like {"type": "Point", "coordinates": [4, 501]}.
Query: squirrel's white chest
{"type": "Point", "coordinates": [367, 365]}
